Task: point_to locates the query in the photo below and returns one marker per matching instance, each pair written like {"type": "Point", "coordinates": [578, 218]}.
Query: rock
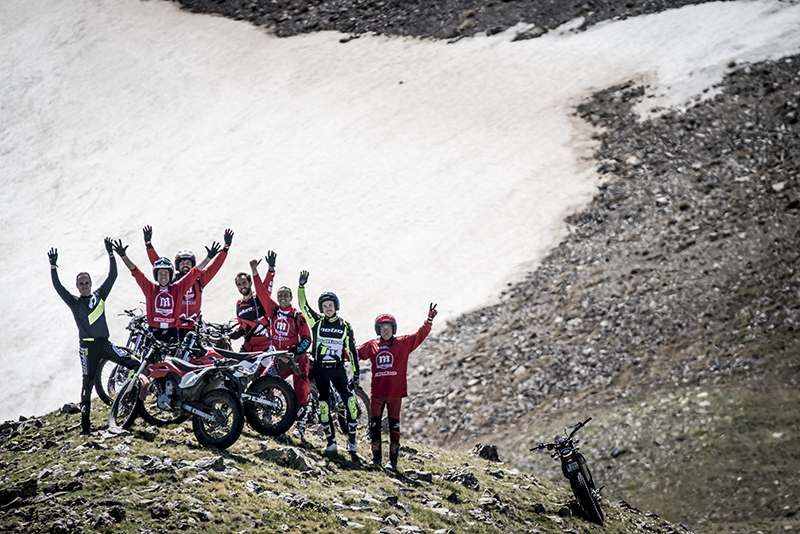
{"type": "Point", "coordinates": [487, 452]}
{"type": "Point", "coordinates": [463, 477]}
{"type": "Point", "coordinates": [539, 508]}
{"type": "Point", "coordinates": [532, 33]}
{"type": "Point", "coordinates": [21, 490]}
{"type": "Point", "coordinates": [387, 530]}
{"type": "Point", "coordinates": [210, 463]}
{"type": "Point", "coordinates": [423, 476]}
{"type": "Point", "coordinates": [70, 409]}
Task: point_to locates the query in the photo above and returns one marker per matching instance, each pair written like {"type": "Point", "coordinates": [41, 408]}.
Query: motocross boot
{"type": "Point", "coordinates": [86, 424]}
{"type": "Point", "coordinates": [394, 453]}
{"type": "Point", "coordinates": [377, 455]}
{"type": "Point", "coordinates": [300, 424]}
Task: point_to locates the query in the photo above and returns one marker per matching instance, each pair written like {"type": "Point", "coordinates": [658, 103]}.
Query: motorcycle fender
{"type": "Point", "coordinates": [144, 384]}
{"type": "Point", "coordinates": [189, 379]}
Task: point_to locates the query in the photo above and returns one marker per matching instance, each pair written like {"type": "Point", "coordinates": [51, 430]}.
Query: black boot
{"type": "Point", "coordinates": [394, 453]}
{"type": "Point", "coordinates": [376, 453]}
{"type": "Point", "coordinates": [86, 424]}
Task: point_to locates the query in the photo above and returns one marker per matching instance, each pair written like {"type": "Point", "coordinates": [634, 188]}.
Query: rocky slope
{"type": "Point", "coordinates": [157, 481]}
{"type": "Point", "coordinates": [682, 268]}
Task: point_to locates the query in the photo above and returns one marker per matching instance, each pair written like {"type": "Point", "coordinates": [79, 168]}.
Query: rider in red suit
{"type": "Point", "coordinates": [289, 331]}
{"type": "Point", "coordinates": [190, 303]}
{"type": "Point", "coordinates": [251, 313]}
{"type": "Point", "coordinates": [389, 357]}
{"type": "Point", "coordinates": [163, 297]}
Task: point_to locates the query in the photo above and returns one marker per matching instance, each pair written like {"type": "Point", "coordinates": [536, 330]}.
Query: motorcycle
{"type": "Point", "coordinates": [575, 469]}
{"type": "Point", "coordinates": [270, 403]}
{"type": "Point", "coordinates": [199, 391]}
{"type": "Point", "coordinates": [110, 375]}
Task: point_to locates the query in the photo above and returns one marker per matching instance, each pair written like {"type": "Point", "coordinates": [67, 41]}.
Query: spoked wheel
{"type": "Point", "coordinates": [109, 380]}
{"type": "Point", "coordinates": [586, 498]}
{"type": "Point", "coordinates": [228, 421]}
{"type": "Point", "coordinates": [154, 415]}
{"type": "Point", "coordinates": [362, 417]}
{"type": "Point", "coordinates": [125, 406]}
{"type": "Point", "coordinates": [275, 409]}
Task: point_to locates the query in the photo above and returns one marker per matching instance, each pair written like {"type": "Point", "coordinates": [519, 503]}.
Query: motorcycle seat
{"type": "Point", "coordinates": [240, 356]}
{"type": "Point", "coordinates": [186, 366]}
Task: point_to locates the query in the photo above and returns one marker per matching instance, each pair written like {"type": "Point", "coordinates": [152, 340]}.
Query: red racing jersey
{"type": "Point", "coordinates": [189, 305]}
{"type": "Point", "coordinates": [162, 302]}
{"type": "Point", "coordinates": [288, 327]}
{"type": "Point", "coordinates": [390, 361]}
{"type": "Point", "coordinates": [251, 313]}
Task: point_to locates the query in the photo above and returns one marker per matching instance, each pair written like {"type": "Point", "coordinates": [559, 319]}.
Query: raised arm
{"type": "Point", "coordinates": [105, 287]}
{"type": "Point", "coordinates": [65, 295]}
{"type": "Point", "coordinates": [152, 255]}
{"type": "Point", "coordinates": [122, 252]}
{"type": "Point", "coordinates": [311, 316]}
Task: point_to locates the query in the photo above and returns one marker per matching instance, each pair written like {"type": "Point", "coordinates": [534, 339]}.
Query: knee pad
{"type": "Point", "coordinates": [324, 413]}
{"type": "Point", "coordinates": [375, 429]}
{"type": "Point", "coordinates": [352, 408]}
{"type": "Point", "coordinates": [394, 430]}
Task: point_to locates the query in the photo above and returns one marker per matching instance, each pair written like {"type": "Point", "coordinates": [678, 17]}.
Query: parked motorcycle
{"type": "Point", "coordinates": [339, 413]}
{"type": "Point", "coordinates": [575, 469]}
{"type": "Point", "coordinates": [110, 375]}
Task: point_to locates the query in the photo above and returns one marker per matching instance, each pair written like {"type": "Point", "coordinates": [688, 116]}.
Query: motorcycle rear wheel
{"type": "Point", "coordinates": [153, 415]}
{"type": "Point", "coordinates": [280, 416]}
{"type": "Point", "coordinates": [586, 498]}
{"type": "Point", "coordinates": [227, 408]}
{"type": "Point", "coordinates": [125, 406]}
{"type": "Point", "coordinates": [362, 420]}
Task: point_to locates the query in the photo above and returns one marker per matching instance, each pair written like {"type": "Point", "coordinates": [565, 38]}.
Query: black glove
{"type": "Point", "coordinates": [109, 245]}
{"type": "Point", "coordinates": [303, 278]}
{"type": "Point", "coordinates": [271, 257]}
{"type": "Point", "coordinates": [119, 249]}
{"type": "Point", "coordinates": [148, 233]}
{"type": "Point", "coordinates": [53, 257]}
{"type": "Point", "coordinates": [215, 248]}
{"type": "Point", "coordinates": [354, 381]}
{"type": "Point", "coordinates": [228, 237]}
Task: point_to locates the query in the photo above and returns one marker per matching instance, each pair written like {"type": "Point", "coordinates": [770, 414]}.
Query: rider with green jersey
{"type": "Point", "coordinates": [333, 344]}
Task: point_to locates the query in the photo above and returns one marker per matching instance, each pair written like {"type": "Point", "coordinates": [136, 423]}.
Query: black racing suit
{"type": "Point", "coordinates": [90, 316]}
{"type": "Point", "coordinates": [333, 342]}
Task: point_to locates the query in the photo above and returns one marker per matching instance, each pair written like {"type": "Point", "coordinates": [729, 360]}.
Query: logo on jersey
{"type": "Point", "coordinates": [384, 359]}
{"type": "Point", "coordinates": [281, 326]}
{"type": "Point", "coordinates": [164, 304]}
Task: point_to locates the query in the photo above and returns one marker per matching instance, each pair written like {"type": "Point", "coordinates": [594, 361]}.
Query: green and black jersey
{"type": "Point", "coordinates": [89, 312]}
{"type": "Point", "coordinates": [333, 338]}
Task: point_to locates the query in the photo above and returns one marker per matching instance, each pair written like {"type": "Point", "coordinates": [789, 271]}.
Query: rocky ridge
{"type": "Point", "coordinates": [446, 19]}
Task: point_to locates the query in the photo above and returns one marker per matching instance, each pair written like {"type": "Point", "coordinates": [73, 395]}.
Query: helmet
{"type": "Point", "coordinates": [163, 263]}
{"type": "Point", "coordinates": [328, 296]}
{"type": "Point", "coordinates": [385, 318]}
{"type": "Point", "coordinates": [184, 255]}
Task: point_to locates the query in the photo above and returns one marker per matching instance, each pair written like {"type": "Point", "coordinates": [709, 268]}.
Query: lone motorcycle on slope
{"type": "Point", "coordinates": [575, 469]}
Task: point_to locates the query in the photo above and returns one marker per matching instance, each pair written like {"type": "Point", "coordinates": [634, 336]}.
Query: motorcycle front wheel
{"type": "Point", "coordinates": [153, 415]}
{"type": "Point", "coordinates": [228, 419]}
{"type": "Point", "coordinates": [125, 406]}
{"type": "Point", "coordinates": [276, 408]}
{"type": "Point", "coordinates": [586, 498]}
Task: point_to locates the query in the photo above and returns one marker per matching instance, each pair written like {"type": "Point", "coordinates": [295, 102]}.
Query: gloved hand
{"type": "Point", "coordinates": [215, 248]}
{"type": "Point", "coordinates": [119, 249]}
{"type": "Point", "coordinates": [432, 312]}
{"type": "Point", "coordinates": [109, 245]}
{"type": "Point", "coordinates": [303, 278]}
{"type": "Point", "coordinates": [228, 237]}
{"type": "Point", "coordinates": [53, 257]}
{"type": "Point", "coordinates": [148, 233]}
{"type": "Point", "coordinates": [354, 381]}
{"type": "Point", "coordinates": [271, 257]}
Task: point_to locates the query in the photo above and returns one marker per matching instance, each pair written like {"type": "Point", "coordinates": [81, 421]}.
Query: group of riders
{"type": "Point", "coordinates": [321, 337]}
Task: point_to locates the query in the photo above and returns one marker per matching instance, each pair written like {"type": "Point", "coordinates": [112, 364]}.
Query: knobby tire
{"type": "Point", "coordinates": [125, 407]}
{"type": "Point", "coordinates": [586, 498]}
{"type": "Point", "coordinates": [271, 421]}
{"type": "Point", "coordinates": [228, 408]}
